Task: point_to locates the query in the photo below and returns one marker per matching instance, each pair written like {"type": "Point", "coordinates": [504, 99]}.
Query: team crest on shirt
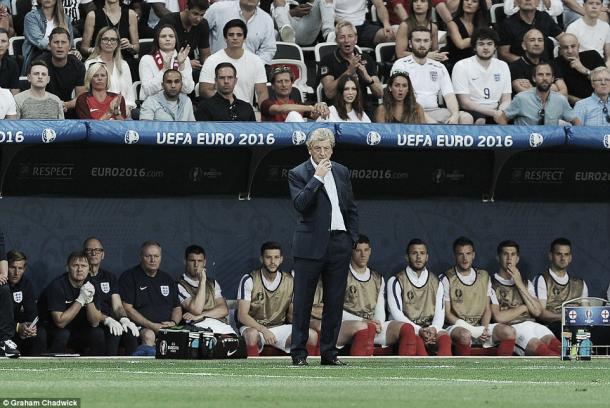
{"type": "Point", "coordinates": [410, 295]}
{"type": "Point", "coordinates": [18, 296]}
{"type": "Point", "coordinates": [556, 291]}
{"type": "Point", "coordinates": [458, 296]}
{"type": "Point", "coordinates": [497, 77]}
{"type": "Point", "coordinates": [324, 71]}
{"type": "Point", "coordinates": [164, 290]}
{"type": "Point", "coordinates": [105, 286]}
{"type": "Point", "coordinates": [259, 296]}
{"type": "Point", "coordinates": [433, 76]}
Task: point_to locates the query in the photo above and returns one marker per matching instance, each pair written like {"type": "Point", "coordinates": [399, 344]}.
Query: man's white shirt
{"type": "Point", "coordinates": [336, 220]}
{"type": "Point", "coordinates": [484, 85]}
{"type": "Point", "coordinates": [428, 80]}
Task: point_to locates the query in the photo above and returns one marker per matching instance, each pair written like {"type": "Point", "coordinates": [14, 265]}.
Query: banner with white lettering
{"type": "Point", "coordinates": [562, 173]}
{"type": "Point", "coordinates": [451, 136]}
{"type": "Point", "coordinates": [389, 173]}
{"type": "Point", "coordinates": [106, 170]}
{"type": "Point", "coordinates": [41, 131]}
{"type": "Point", "coordinates": [593, 137]}
{"type": "Point", "coordinates": [205, 134]}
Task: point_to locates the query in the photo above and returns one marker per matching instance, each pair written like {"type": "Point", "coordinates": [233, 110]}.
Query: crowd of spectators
{"type": "Point", "coordinates": [449, 63]}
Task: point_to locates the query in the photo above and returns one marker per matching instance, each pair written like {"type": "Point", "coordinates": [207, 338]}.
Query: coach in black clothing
{"type": "Point", "coordinates": [66, 310]}
{"type": "Point", "coordinates": [224, 106]}
{"type": "Point", "coordinates": [150, 296]}
{"type": "Point", "coordinates": [108, 301]}
{"type": "Point", "coordinates": [30, 339]}
{"type": "Point", "coordinates": [327, 228]}
{"type": "Point", "coordinates": [7, 323]}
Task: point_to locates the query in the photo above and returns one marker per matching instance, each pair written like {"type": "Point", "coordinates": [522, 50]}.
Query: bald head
{"type": "Point", "coordinates": [533, 43]}
{"type": "Point", "coordinates": [568, 46]}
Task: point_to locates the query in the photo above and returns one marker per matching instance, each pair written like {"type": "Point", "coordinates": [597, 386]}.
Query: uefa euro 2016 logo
{"type": "Point", "coordinates": [298, 137]}
{"type": "Point", "coordinates": [131, 137]}
{"type": "Point", "coordinates": [48, 135]}
{"type": "Point", "coordinates": [536, 139]}
{"type": "Point", "coordinates": [373, 138]}
{"type": "Point", "coordinates": [607, 141]}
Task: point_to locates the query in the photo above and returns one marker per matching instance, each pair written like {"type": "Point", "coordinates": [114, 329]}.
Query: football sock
{"type": "Point", "coordinates": [407, 341]}
{"type": "Point", "coordinates": [252, 351]}
{"type": "Point", "coordinates": [313, 350]}
{"type": "Point", "coordinates": [506, 348]}
{"type": "Point", "coordinates": [444, 345]}
{"type": "Point", "coordinates": [360, 346]}
{"type": "Point", "coordinates": [420, 347]}
{"type": "Point", "coordinates": [371, 340]}
{"type": "Point", "coordinates": [462, 349]}
{"type": "Point", "coordinates": [543, 350]}
{"type": "Point", "coordinates": [555, 346]}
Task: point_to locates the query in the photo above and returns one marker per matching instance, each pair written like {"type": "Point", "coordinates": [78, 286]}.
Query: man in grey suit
{"type": "Point", "coordinates": [327, 228]}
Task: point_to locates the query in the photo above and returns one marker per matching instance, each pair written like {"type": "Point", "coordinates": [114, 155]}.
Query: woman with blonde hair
{"type": "Point", "coordinates": [114, 14]}
{"type": "Point", "coordinates": [37, 26]}
{"type": "Point", "coordinates": [107, 50]}
{"type": "Point", "coordinates": [97, 103]}
{"type": "Point", "coordinates": [399, 105]}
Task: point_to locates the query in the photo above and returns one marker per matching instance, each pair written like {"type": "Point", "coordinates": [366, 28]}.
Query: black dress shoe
{"type": "Point", "coordinates": [299, 361]}
{"type": "Point", "coordinates": [332, 362]}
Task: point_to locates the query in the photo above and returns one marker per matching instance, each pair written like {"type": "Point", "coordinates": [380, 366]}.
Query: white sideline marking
{"type": "Point", "coordinates": [310, 377]}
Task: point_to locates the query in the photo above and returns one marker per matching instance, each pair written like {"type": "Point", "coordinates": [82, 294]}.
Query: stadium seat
{"type": "Point", "coordinates": [146, 45]}
{"type": "Point", "coordinates": [24, 84]}
{"type": "Point", "coordinates": [385, 55]}
{"type": "Point", "coordinates": [299, 70]}
{"type": "Point", "coordinates": [374, 17]}
{"type": "Point", "coordinates": [289, 51]}
{"type": "Point", "coordinates": [15, 45]}
{"type": "Point", "coordinates": [322, 49]}
{"type": "Point", "coordinates": [77, 42]}
{"type": "Point", "coordinates": [320, 93]}
{"type": "Point", "coordinates": [15, 48]}
{"type": "Point", "coordinates": [497, 13]}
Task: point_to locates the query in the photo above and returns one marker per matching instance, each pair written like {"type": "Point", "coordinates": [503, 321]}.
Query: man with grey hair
{"type": "Point", "coordinates": [593, 111]}
{"type": "Point", "coordinates": [327, 228]}
{"type": "Point", "coordinates": [149, 295]}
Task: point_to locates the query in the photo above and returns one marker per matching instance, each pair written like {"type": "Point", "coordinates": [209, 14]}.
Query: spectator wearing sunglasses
{"type": "Point", "coordinates": [284, 103]}
{"type": "Point", "coordinates": [539, 105]}
{"type": "Point", "coordinates": [593, 111]}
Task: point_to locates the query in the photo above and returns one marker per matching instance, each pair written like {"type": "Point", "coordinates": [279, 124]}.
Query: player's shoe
{"type": "Point", "coordinates": [9, 349]}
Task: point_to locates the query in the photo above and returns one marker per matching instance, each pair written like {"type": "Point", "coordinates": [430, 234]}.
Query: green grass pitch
{"type": "Point", "coordinates": [253, 383]}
